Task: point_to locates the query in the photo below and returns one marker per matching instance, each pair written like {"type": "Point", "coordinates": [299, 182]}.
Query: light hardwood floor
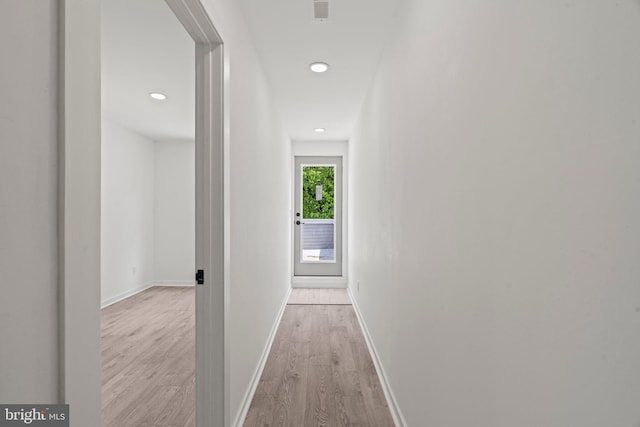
{"type": "Point", "coordinates": [148, 359]}
{"type": "Point", "coordinates": [319, 373]}
{"type": "Point", "coordinates": [319, 297]}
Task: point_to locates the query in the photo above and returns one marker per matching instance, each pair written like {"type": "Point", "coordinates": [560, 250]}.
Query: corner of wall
{"type": "Point", "coordinates": [394, 408]}
{"type": "Point", "coordinates": [255, 379]}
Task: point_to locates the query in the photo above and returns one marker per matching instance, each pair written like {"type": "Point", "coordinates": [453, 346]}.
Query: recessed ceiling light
{"type": "Point", "coordinates": [158, 96]}
{"type": "Point", "coordinates": [319, 67]}
{"type": "Point", "coordinates": [319, 130]}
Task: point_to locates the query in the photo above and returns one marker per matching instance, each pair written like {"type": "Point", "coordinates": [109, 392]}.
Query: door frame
{"type": "Point", "coordinates": [323, 149]}
{"type": "Point", "coordinates": [79, 212]}
{"type": "Point", "coordinates": [318, 269]}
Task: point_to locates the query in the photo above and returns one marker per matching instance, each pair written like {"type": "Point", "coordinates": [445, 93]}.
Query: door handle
{"type": "Point", "coordinates": [200, 277]}
{"type": "Point", "coordinates": [297, 222]}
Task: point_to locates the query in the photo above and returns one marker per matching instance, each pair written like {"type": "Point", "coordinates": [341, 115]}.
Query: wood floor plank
{"type": "Point", "coordinates": [318, 373]}
{"type": "Point", "coordinates": [319, 297]}
{"type": "Point", "coordinates": [320, 343]}
{"type": "Point", "coordinates": [351, 412]}
{"type": "Point", "coordinates": [291, 392]}
{"type": "Point", "coordinates": [178, 411]}
{"type": "Point", "coordinates": [262, 413]}
{"type": "Point", "coordinates": [335, 385]}
{"type": "Point", "coordinates": [148, 359]}
{"type": "Point", "coordinates": [373, 396]}
{"type": "Point", "coordinates": [320, 405]}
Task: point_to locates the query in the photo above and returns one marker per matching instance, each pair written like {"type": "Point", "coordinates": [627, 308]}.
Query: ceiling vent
{"type": "Point", "coordinates": [320, 10]}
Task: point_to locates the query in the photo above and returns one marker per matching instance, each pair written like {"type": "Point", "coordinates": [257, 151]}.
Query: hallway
{"type": "Point", "coordinates": [491, 235]}
{"type": "Point", "coordinates": [319, 371]}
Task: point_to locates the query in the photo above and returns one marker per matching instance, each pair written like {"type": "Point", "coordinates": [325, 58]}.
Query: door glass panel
{"type": "Point", "coordinates": [318, 214]}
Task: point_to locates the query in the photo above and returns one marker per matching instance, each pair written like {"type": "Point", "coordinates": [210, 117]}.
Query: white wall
{"type": "Point", "coordinates": [148, 212]}
{"type": "Point", "coordinates": [128, 195]}
{"type": "Point", "coordinates": [28, 202]}
{"type": "Point", "coordinates": [259, 188]}
{"type": "Point", "coordinates": [259, 184]}
{"type": "Point", "coordinates": [174, 213]}
{"type": "Point", "coordinates": [494, 213]}
{"type": "Point", "coordinates": [259, 213]}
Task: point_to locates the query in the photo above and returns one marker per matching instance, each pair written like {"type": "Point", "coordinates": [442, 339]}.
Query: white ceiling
{"type": "Point", "coordinates": [288, 39]}
{"type": "Point", "coordinates": [145, 49]}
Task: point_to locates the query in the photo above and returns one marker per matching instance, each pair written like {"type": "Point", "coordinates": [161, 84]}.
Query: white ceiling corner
{"type": "Point", "coordinates": [288, 39]}
{"type": "Point", "coordinates": [145, 49]}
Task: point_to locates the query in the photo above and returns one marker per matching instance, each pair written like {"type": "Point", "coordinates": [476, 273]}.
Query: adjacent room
{"type": "Point", "coordinates": [148, 216]}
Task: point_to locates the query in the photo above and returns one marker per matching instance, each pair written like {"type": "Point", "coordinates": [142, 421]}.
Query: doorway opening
{"type": "Point", "coordinates": [148, 216]}
{"type": "Point", "coordinates": [80, 186]}
{"type": "Point", "coordinates": [79, 219]}
{"type": "Point", "coordinates": [318, 216]}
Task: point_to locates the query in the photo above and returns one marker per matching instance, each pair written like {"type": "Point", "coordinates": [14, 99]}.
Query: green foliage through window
{"type": "Point", "coordinates": [311, 177]}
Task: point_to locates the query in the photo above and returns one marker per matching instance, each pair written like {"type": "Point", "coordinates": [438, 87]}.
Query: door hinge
{"type": "Point", "coordinates": [200, 277]}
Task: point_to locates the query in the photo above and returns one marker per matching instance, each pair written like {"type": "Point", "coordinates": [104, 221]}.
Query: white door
{"type": "Point", "coordinates": [318, 216]}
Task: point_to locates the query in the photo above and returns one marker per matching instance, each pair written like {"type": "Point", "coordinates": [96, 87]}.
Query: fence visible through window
{"type": "Point", "coordinates": [318, 240]}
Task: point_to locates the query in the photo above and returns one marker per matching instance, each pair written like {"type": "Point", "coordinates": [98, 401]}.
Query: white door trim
{"type": "Point", "coordinates": [79, 209]}
{"type": "Point", "coordinates": [79, 213]}
{"type": "Point", "coordinates": [330, 149]}
{"type": "Point", "coordinates": [318, 269]}
{"type": "Point", "coordinates": [212, 359]}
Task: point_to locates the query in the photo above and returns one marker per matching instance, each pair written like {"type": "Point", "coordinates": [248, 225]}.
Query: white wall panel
{"type": "Point", "coordinates": [174, 213]}
{"type": "Point", "coordinates": [128, 211]}
{"type": "Point", "coordinates": [259, 191]}
{"type": "Point", "coordinates": [493, 213]}
{"type": "Point", "coordinates": [28, 202]}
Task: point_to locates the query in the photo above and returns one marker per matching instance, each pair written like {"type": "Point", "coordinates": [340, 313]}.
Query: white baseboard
{"type": "Point", "coordinates": [248, 397]}
{"type": "Point", "coordinates": [318, 282]}
{"type": "Point", "coordinates": [398, 419]}
{"type": "Point", "coordinates": [174, 283]}
{"type": "Point", "coordinates": [125, 294]}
